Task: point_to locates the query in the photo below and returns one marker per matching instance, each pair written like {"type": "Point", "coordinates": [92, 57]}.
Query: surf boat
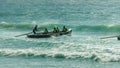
{"type": "Point", "coordinates": [118, 37]}
{"type": "Point", "coordinates": [49, 34]}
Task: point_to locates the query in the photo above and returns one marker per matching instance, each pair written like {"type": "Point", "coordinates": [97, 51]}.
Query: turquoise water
{"type": "Point", "coordinates": [89, 20]}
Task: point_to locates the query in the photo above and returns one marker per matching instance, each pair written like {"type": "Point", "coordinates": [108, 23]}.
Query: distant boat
{"type": "Point", "coordinates": [49, 34]}
{"type": "Point", "coordinates": [118, 37]}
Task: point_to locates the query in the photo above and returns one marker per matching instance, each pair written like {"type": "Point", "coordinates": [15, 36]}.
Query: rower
{"type": "Point", "coordinates": [64, 29]}
{"type": "Point", "coordinates": [46, 31]}
{"type": "Point", "coordinates": [55, 30]}
{"type": "Point", "coordinates": [35, 29]}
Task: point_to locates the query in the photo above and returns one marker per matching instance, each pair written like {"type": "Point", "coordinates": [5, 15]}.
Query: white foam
{"type": "Point", "coordinates": [69, 50]}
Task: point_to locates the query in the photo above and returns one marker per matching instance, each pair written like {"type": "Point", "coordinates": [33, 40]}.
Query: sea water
{"type": "Point", "coordinates": [89, 20]}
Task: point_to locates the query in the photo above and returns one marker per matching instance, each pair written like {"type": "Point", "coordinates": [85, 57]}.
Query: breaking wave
{"type": "Point", "coordinates": [94, 55]}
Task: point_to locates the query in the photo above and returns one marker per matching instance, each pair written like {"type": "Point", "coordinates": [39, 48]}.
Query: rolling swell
{"type": "Point", "coordinates": [28, 26]}
{"type": "Point", "coordinates": [6, 14]}
{"type": "Point", "coordinates": [99, 28]}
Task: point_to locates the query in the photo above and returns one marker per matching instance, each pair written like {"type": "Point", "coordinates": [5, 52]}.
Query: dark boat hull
{"type": "Point", "coordinates": [38, 36]}
{"type": "Point", "coordinates": [118, 37]}
{"type": "Point", "coordinates": [42, 35]}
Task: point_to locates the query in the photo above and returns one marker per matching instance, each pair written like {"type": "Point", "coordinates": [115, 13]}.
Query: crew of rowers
{"type": "Point", "coordinates": [56, 30]}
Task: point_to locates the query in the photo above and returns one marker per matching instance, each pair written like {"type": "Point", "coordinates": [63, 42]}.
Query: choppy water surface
{"type": "Point", "coordinates": [89, 20]}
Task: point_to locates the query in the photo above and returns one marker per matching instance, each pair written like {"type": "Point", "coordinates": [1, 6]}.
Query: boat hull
{"type": "Point", "coordinates": [50, 34]}
{"type": "Point", "coordinates": [38, 36]}
{"type": "Point", "coordinates": [118, 37]}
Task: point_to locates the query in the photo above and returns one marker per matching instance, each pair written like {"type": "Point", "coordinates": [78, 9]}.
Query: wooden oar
{"type": "Point", "coordinates": [24, 34]}
{"type": "Point", "coordinates": [110, 37]}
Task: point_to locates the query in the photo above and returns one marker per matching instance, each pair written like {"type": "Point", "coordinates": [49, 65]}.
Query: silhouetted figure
{"type": "Point", "coordinates": [35, 29]}
{"type": "Point", "coordinates": [46, 31]}
{"type": "Point", "coordinates": [64, 29]}
{"type": "Point", "coordinates": [55, 30]}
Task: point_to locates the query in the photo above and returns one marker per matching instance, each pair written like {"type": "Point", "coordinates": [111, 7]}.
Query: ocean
{"type": "Point", "coordinates": [90, 20]}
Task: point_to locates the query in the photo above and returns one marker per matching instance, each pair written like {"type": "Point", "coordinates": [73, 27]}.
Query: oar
{"type": "Point", "coordinates": [110, 37]}
{"type": "Point", "coordinates": [24, 34]}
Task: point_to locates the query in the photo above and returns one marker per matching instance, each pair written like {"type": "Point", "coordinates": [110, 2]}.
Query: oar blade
{"type": "Point", "coordinates": [110, 37]}
{"type": "Point", "coordinates": [24, 34]}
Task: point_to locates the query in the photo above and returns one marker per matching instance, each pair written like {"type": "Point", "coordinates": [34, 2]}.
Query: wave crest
{"type": "Point", "coordinates": [67, 55]}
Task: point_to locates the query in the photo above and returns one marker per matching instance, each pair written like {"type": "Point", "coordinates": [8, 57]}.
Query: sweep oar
{"type": "Point", "coordinates": [24, 34]}
{"type": "Point", "coordinates": [110, 37]}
